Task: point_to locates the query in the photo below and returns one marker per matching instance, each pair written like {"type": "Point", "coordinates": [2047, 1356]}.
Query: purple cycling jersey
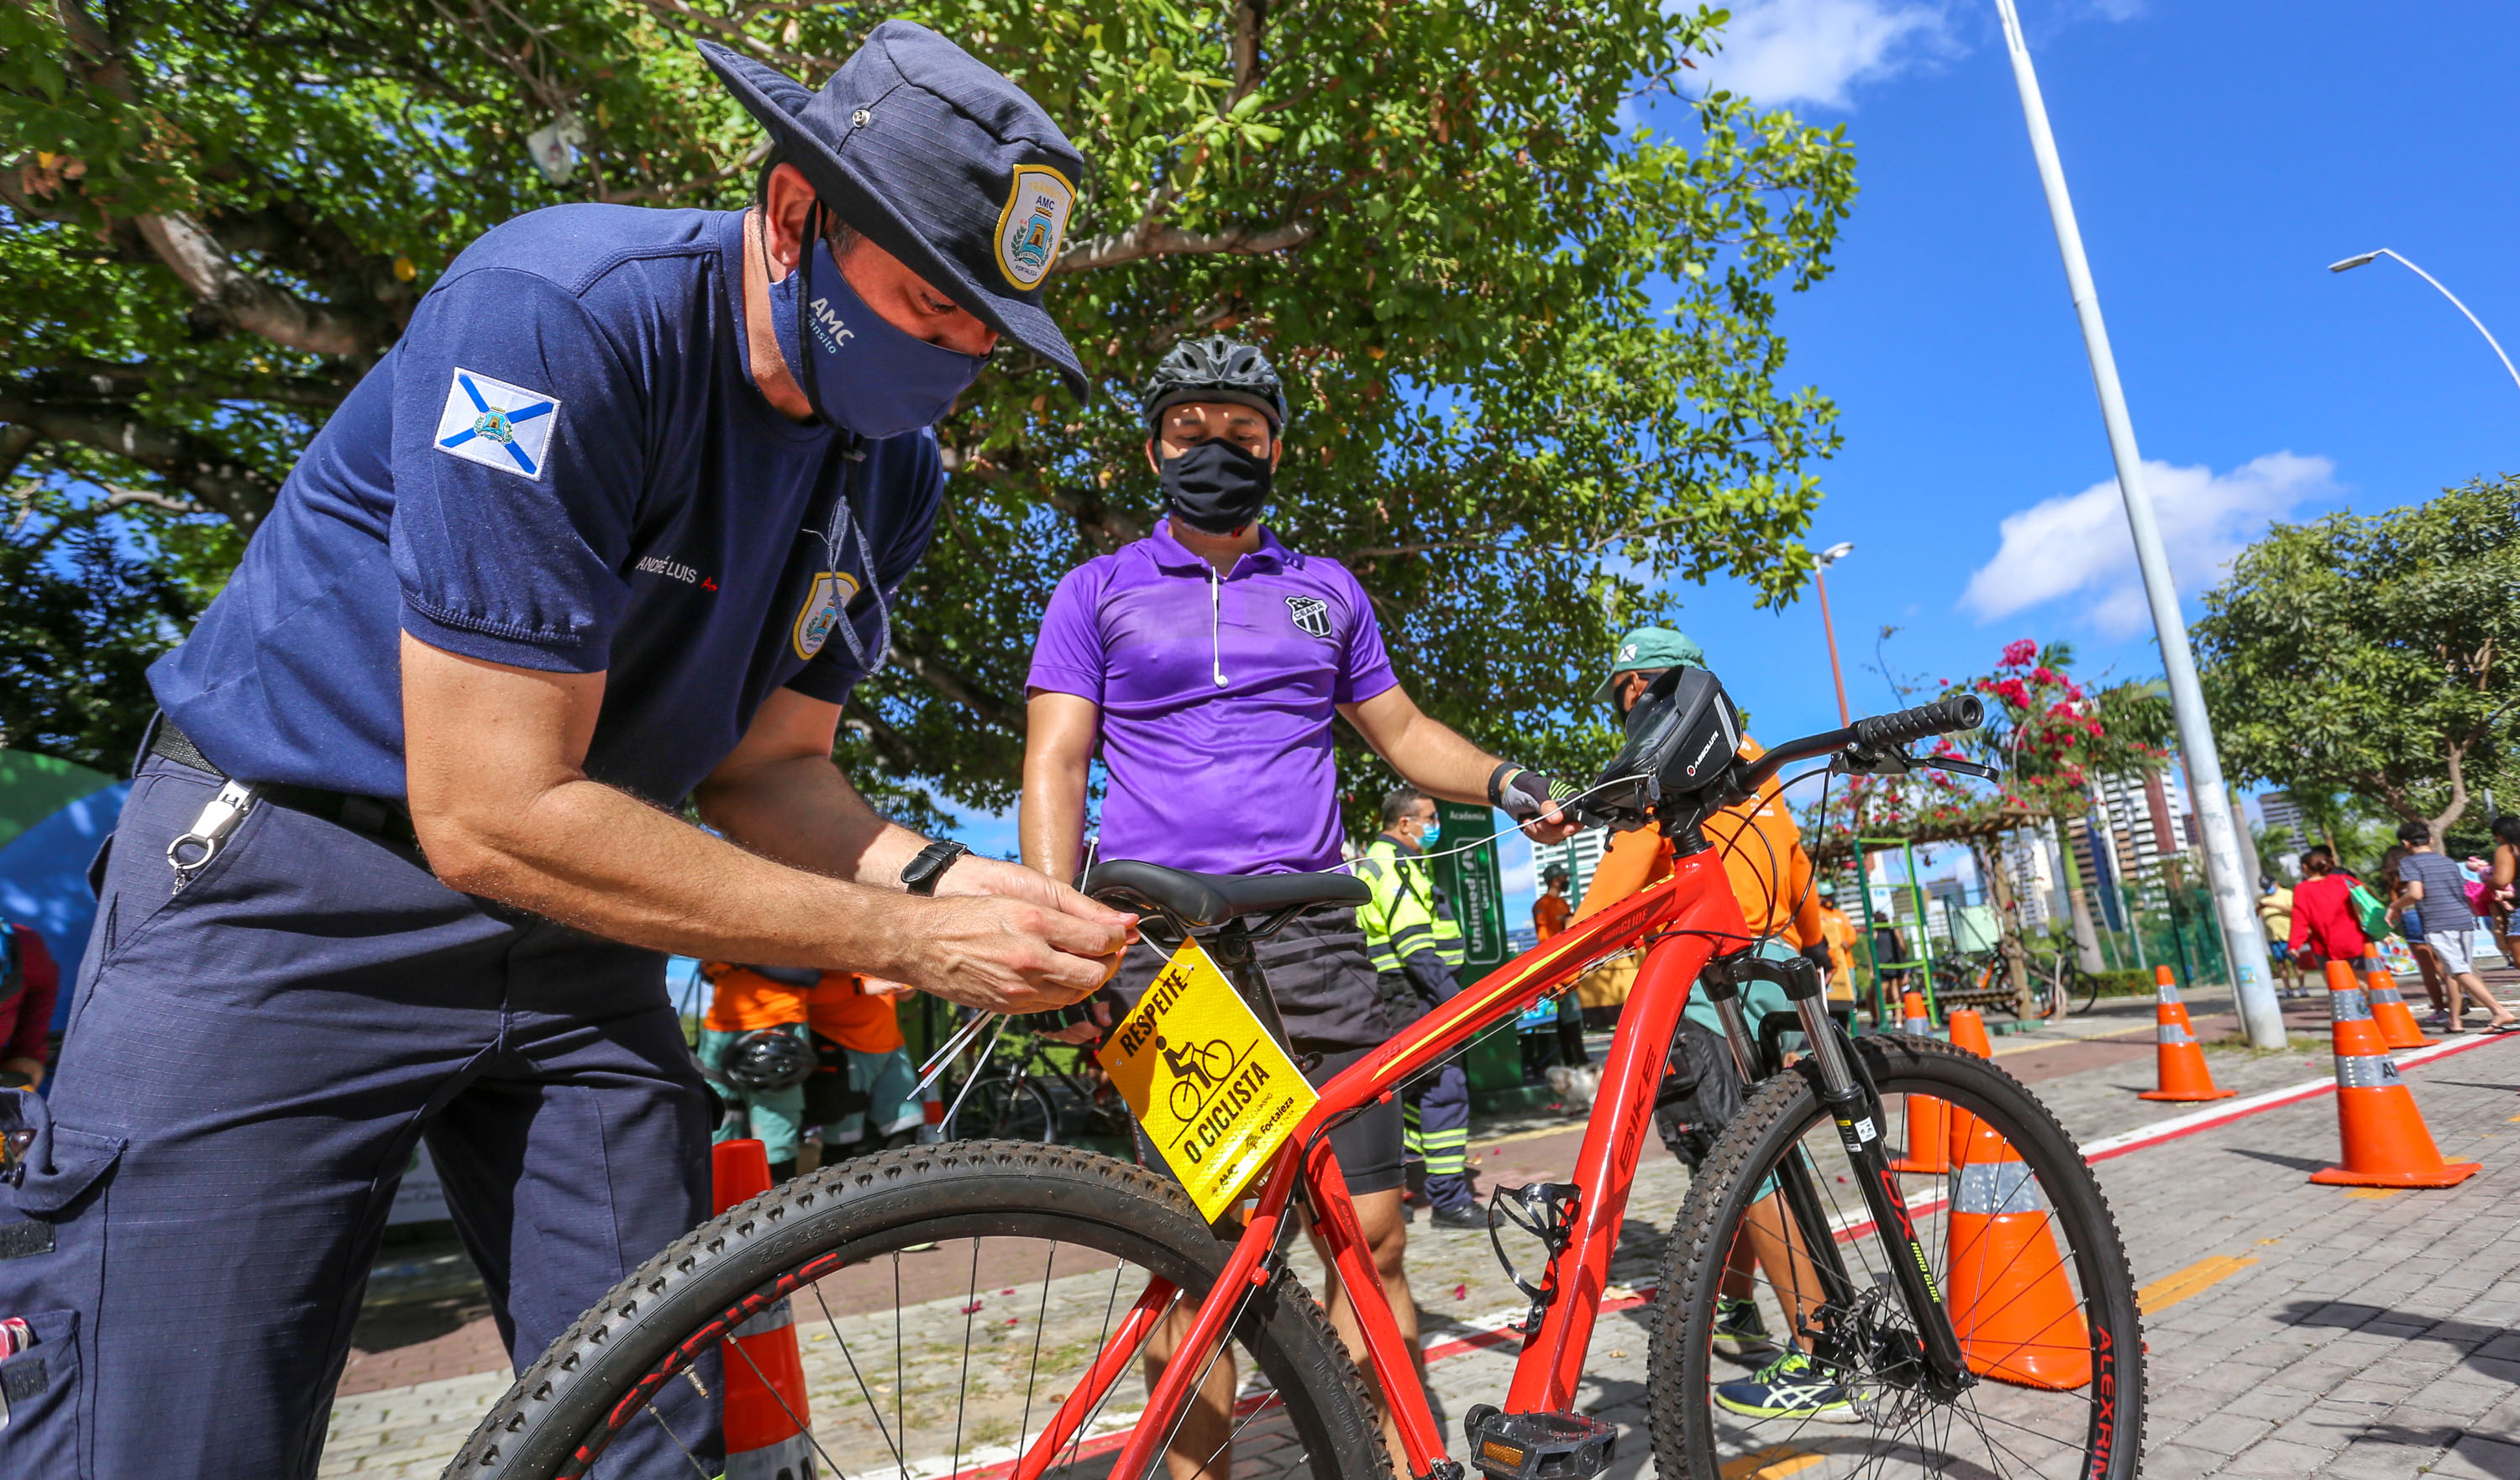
{"type": "Point", "coordinates": [1217, 695]}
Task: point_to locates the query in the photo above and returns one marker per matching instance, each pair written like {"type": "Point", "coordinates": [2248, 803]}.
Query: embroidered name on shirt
{"type": "Point", "coordinates": [657, 565]}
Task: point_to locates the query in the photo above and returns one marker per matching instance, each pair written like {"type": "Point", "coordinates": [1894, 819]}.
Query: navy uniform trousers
{"type": "Point", "coordinates": [1439, 1103]}
{"type": "Point", "coordinates": [250, 1066]}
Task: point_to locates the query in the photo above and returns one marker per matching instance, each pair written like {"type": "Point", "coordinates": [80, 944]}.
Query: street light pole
{"type": "Point", "coordinates": [2261, 1015]}
{"type": "Point", "coordinates": [2357, 260]}
{"type": "Point", "coordinates": [1820, 579]}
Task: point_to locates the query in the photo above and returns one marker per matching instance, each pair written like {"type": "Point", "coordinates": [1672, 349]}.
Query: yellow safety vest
{"type": "Point", "coordinates": [1408, 913]}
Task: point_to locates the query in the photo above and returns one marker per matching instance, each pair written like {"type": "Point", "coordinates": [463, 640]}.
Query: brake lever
{"type": "Point", "coordinates": [1862, 760]}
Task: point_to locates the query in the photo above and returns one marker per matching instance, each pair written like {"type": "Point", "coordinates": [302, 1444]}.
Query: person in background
{"type": "Point", "coordinates": [2499, 887]}
{"type": "Point", "coordinates": [860, 1099]}
{"type": "Point", "coordinates": [2275, 915]}
{"type": "Point", "coordinates": [2409, 926]}
{"type": "Point", "coordinates": [29, 984]}
{"type": "Point", "coordinates": [2322, 913]}
{"type": "Point", "coordinates": [2429, 880]}
{"type": "Point", "coordinates": [1762, 849]}
{"type": "Point", "coordinates": [1552, 909]}
{"type": "Point", "coordinates": [1841, 935]}
{"type": "Point", "coordinates": [1415, 946]}
{"type": "Point", "coordinates": [756, 1056]}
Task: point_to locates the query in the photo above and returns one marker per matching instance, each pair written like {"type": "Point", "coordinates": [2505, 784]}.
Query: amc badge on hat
{"type": "Point", "coordinates": [1035, 220]}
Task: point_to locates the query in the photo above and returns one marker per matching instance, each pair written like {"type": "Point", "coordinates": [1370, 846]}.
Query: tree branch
{"type": "Point", "coordinates": [954, 683]}
{"type": "Point", "coordinates": [795, 62]}
{"type": "Point", "coordinates": [201, 466]}
{"type": "Point", "coordinates": [1142, 240]}
{"type": "Point", "coordinates": [117, 496]}
{"type": "Point", "coordinates": [865, 721]}
{"type": "Point", "coordinates": [108, 379]}
{"type": "Point", "coordinates": [244, 299]}
{"type": "Point", "coordinates": [16, 442]}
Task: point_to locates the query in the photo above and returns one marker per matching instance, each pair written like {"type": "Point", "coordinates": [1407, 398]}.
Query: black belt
{"type": "Point", "coordinates": [374, 817]}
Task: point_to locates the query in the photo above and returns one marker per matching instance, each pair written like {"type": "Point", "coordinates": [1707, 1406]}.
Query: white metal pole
{"type": "Point", "coordinates": [2356, 262]}
{"type": "Point", "coordinates": [2261, 1015]}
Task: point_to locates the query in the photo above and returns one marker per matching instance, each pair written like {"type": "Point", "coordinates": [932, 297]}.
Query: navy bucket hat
{"type": "Point", "coordinates": [928, 153]}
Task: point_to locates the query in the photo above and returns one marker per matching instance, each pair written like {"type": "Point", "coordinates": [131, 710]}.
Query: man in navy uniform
{"type": "Point", "coordinates": [614, 526]}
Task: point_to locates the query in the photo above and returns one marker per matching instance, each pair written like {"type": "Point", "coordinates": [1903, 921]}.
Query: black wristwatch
{"type": "Point", "coordinates": [920, 874]}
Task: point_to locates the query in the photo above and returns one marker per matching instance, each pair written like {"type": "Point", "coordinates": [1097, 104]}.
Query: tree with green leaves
{"type": "Point", "coordinates": [1532, 346]}
{"type": "Point", "coordinates": [2371, 656]}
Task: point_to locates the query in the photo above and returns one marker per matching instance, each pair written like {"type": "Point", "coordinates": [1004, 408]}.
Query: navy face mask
{"type": "Point", "coordinates": [857, 370]}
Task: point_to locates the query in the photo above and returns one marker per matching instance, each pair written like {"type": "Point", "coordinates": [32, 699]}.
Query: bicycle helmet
{"type": "Point", "coordinates": [768, 1060]}
{"type": "Point", "coordinates": [1215, 369]}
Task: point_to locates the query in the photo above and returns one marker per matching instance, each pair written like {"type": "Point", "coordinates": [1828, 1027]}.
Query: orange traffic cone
{"type": "Point", "coordinates": [2011, 1303]}
{"type": "Point", "coordinates": [2389, 1010]}
{"type": "Point", "coordinates": [2387, 1143]}
{"type": "Point", "coordinates": [764, 1382]}
{"type": "Point", "coordinates": [2179, 1068]}
{"type": "Point", "coordinates": [1928, 1119]}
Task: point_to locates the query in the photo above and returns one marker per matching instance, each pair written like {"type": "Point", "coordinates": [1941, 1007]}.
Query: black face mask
{"type": "Point", "coordinates": [1216, 487]}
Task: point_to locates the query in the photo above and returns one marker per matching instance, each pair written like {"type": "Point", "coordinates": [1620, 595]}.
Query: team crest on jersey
{"type": "Point", "coordinates": [1311, 614]}
{"type": "Point", "coordinates": [823, 611]}
{"type": "Point", "coordinates": [1035, 220]}
{"type": "Point", "coordinates": [497, 425]}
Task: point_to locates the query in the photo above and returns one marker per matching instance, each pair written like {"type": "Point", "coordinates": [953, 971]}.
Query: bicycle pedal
{"type": "Point", "coordinates": [1538, 1446]}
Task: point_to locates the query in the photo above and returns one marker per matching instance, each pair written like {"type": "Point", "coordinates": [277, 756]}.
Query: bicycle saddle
{"type": "Point", "coordinates": [1200, 899]}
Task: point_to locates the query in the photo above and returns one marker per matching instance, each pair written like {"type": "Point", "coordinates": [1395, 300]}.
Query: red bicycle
{"type": "Point", "coordinates": [986, 1308]}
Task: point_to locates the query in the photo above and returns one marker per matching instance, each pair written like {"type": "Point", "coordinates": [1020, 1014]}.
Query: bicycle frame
{"type": "Point", "coordinates": [1685, 921]}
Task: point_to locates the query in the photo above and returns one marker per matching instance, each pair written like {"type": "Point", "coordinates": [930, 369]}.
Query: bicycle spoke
{"type": "Point", "coordinates": [1032, 1371]}
{"type": "Point", "coordinates": [698, 1468]}
{"type": "Point", "coordinates": [851, 1358]}
{"type": "Point", "coordinates": [970, 1308]}
{"type": "Point", "coordinates": [794, 1417]}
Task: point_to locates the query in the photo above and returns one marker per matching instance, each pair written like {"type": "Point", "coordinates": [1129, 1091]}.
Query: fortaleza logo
{"type": "Point", "coordinates": [831, 331]}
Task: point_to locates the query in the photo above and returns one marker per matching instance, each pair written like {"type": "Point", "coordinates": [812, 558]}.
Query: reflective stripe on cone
{"type": "Point", "coordinates": [2386, 1143]}
{"type": "Point", "coordinates": [2389, 1010]}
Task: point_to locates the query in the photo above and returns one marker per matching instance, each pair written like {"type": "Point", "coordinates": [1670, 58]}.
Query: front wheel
{"type": "Point", "coordinates": [946, 1300]}
{"type": "Point", "coordinates": [1779, 1331]}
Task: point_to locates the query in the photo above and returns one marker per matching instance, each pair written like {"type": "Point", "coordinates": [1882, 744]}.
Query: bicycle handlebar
{"type": "Point", "coordinates": [1878, 732]}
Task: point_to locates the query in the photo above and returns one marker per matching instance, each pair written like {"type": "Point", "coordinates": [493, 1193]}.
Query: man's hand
{"type": "Point", "coordinates": [972, 875]}
{"type": "Point", "coordinates": [1007, 955]}
{"type": "Point", "coordinates": [1537, 803]}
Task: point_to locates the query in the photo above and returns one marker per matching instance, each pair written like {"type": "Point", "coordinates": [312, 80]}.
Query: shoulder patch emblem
{"type": "Point", "coordinates": [825, 601]}
{"type": "Point", "coordinates": [1033, 224]}
{"type": "Point", "coordinates": [1311, 614]}
{"type": "Point", "coordinates": [497, 425]}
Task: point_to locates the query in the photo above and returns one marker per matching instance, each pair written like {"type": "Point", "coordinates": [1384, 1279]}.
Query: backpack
{"type": "Point", "coordinates": [1699, 1094]}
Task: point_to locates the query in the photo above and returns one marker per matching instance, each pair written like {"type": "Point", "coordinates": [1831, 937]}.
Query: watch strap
{"type": "Point", "coordinates": [924, 871]}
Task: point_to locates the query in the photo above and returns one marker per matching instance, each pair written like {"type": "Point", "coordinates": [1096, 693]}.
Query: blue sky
{"type": "Point", "coordinates": [2220, 156]}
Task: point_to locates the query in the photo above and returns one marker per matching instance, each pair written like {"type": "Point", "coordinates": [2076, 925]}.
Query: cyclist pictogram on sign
{"type": "Point", "coordinates": [1215, 1093]}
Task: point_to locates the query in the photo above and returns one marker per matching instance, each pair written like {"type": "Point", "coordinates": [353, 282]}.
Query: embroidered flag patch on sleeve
{"type": "Point", "coordinates": [491, 422]}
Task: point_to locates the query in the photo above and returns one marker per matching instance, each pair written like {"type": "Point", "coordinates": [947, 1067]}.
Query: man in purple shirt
{"type": "Point", "coordinates": [1207, 661]}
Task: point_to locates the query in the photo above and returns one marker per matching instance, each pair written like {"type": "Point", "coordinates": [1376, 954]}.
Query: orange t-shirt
{"type": "Point", "coordinates": [1763, 855]}
{"type": "Point", "coordinates": [1550, 914]}
{"type": "Point", "coordinates": [842, 1009]}
{"type": "Point", "coordinates": [745, 999]}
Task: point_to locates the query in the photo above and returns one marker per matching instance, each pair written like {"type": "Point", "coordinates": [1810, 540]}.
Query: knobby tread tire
{"type": "Point", "coordinates": [952, 1190]}
{"type": "Point", "coordinates": [1693, 1261]}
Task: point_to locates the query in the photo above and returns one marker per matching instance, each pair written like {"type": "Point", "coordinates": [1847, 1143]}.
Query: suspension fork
{"type": "Point", "coordinates": [1855, 1108]}
{"type": "Point", "coordinates": [1723, 986]}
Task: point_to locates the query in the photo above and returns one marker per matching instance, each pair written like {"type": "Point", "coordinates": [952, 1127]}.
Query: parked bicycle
{"type": "Point", "coordinates": [981, 1308]}
{"type": "Point", "coordinates": [1029, 1089]}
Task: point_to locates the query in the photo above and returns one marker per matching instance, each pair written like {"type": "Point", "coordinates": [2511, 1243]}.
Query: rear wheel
{"type": "Point", "coordinates": [2024, 1252]}
{"type": "Point", "coordinates": [1004, 1107]}
{"type": "Point", "coordinates": [946, 1300]}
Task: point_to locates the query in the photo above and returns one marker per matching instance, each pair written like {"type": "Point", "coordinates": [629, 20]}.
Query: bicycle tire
{"type": "Point", "coordinates": [1780, 1113]}
{"type": "Point", "coordinates": [1004, 1107]}
{"type": "Point", "coordinates": [574, 1401]}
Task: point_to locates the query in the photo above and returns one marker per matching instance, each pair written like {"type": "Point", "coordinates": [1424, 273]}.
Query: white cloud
{"type": "Point", "coordinates": [1814, 51]}
{"type": "Point", "coordinates": [2077, 545]}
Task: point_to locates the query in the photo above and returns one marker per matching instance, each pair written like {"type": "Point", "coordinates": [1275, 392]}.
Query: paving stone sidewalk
{"type": "Point", "coordinates": [2349, 1336]}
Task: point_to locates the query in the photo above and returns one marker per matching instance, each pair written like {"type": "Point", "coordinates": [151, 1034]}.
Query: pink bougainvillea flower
{"type": "Point", "coordinates": [2017, 654]}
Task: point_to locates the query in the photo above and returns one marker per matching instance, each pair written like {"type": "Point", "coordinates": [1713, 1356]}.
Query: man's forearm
{"type": "Point", "coordinates": [804, 813]}
{"type": "Point", "coordinates": [601, 860]}
{"type": "Point", "coordinates": [1050, 825]}
{"type": "Point", "coordinates": [1433, 757]}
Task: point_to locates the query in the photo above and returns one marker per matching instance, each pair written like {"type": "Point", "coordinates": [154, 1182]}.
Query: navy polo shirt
{"type": "Point", "coordinates": [563, 464]}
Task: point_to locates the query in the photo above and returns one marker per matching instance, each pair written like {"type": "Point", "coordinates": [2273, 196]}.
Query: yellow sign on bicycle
{"type": "Point", "coordinates": [1214, 1092]}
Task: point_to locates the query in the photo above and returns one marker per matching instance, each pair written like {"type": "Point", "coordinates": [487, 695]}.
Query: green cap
{"type": "Point", "coordinates": [1648, 648]}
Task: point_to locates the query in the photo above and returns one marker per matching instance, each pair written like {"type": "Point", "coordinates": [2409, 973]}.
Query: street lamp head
{"type": "Point", "coordinates": [2353, 262]}
{"type": "Point", "coordinates": [1834, 553]}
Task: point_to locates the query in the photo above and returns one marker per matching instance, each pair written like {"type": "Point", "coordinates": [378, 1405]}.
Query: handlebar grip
{"type": "Point", "coordinates": [1960, 711]}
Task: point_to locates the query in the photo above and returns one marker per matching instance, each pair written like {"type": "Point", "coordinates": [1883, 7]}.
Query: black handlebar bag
{"type": "Point", "coordinates": [52, 1270]}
